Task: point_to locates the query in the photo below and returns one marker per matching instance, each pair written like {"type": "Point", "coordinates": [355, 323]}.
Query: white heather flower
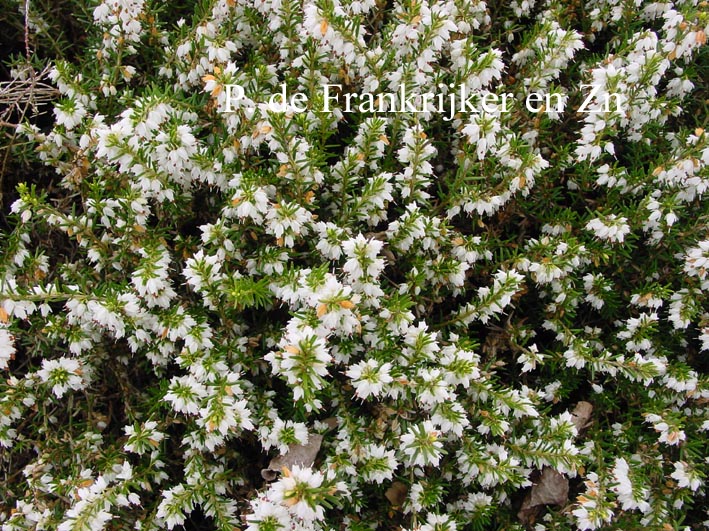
{"type": "Point", "coordinates": [482, 130]}
{"type": "Point", "coordinates": [646, 300]}
{"type": "Point", "coordinates": [283, 434]}
{"type": "Point", "coordinates": [585, 517]}
{"type": "Point", "coordinates": [295, 490]}
{"type": "Point", "coordinates": [173, 152]}
{"type": "Point", "coordinates": [106, 318]}
{"type": "Point", "coordinates": [592, 510]}
{"type": "Point", "coordinates": [493, 300]}
{"type": "Point", "coordinates": [336, 306]}
{"type": "Point", "coordinates": [330, 40]}
{"type": "Point", "coordinates": [430, 387]}
{"type": "Point", "coordinates": [669, 434]}
{"type": "Point", "coordinates": [530, 357]}
{"type": "Point", "coordinates": [330, 241]}
{"type": "Point", "coordinates": [574, 356]}
{"type": "Point", "coordinates": [90, 509]}
{"type": "Point", "coordinates": [550, 392]}
{"type": "Point", "coordinates": [369, 377]}
{"type": "Point", "coordinates": [171, 508]}
{"type": "Point", "coordinates": [201, 271]}
{"type": "Point", "coordinates": [628, 497]}
{"type": "Point", "coordinates": [410, 227]}
{"type": "Point", "coordinates": [595, 285]}
{"type": "Point", "coordinates": [378, 464]}
{"type": "Point", "coordinates": [461, 365]}
{"type": "Point", "coordinates": [696, 260]}
{"type": "Point", "coordinates": [420, 344]}
{"type": "Point", "coordinates": [248, 201]}
{"type": "Point", "coordinates": [450, 417]}
{"type": "Point", "coordinates": [362, 257]}
{"type": "Point", "coordinates": [681, 382]}
{"type": "Point", "coordinates": [21, 207]}
{"type": "Point", "coordinates": [7, 347]}
{"type": "Point", "coordinates": [151, 278]}
{"type": "Point", "coordinates": [185, 394]}
{"type": "Point", "coordinates": [223, 413]}
{"type": "Point", "coordinates": [610, 228]}
{"type": "Point", "coordinates": [121, 19]}
{"type": "Point", "coordinates": [69, 113]}
{"type": "Point", "coordinates": [302, 358]}
{"type": "Point", "coordinates": [680, 308]}
{"type": "Point", "coordinates": [421, 446]}
{"type": "Point", "coordinates": [414, 502]}
{"type": "Point", "coordinates": [686, 476]}
{"type": "Point", "coordinates": [286, 221]}
{"type": "Point", "coordinates": [142, 439]}
{"type": "Point", "coordinates": [62, 374]}
{"type": "Point", "coordinates": [635, 328]}
{"type": "Point", "coordinates": [438, 522]}
{"type": "Point", "coordinates": [544, 273]}
{"type": "Point", "coordinates": [267, 515]}
{"type": "Point", "coordinates": [703, 337]}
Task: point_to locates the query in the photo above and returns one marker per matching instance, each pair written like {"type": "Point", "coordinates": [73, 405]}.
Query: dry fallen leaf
{"type": "Point", "coordinates": [297, 454]}
{"type": "Point", "coordinates": [551, 489]}
{"type": "Point", "coordinates": [330, 422]}
{"type": "Point", "coordinates": [396, 494]}
{"type": "Point", "coordinates": [581, 415]}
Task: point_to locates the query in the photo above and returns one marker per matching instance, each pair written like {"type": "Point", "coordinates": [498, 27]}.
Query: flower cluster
{"type": "Point", "coordinates": [224, 306]}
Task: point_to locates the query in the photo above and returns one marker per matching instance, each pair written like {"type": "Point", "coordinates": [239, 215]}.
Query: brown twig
{"type": "Point", "coordinates": [27, 30]}
{"type": "Point", "coordinates": [18, 96]}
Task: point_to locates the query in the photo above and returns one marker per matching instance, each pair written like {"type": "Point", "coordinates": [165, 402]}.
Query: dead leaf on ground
{"type": "Point", "coordinates": [330, 422]}
{"type": "Point", "coordinates": [551, 489]}
{"type": "Point", "coordinates": [298, 454]}
{"type": "Point", "coordinates": [581, 415]}
{"type": "Point", "coordinates": [396, 494]}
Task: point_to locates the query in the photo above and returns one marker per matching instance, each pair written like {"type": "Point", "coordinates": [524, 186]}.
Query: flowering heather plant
{"type": "Point", "coordinates": [293, 265]}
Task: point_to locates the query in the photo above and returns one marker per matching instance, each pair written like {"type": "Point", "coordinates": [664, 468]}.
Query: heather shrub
{"type": "Point", "coordinates": [427, 265]}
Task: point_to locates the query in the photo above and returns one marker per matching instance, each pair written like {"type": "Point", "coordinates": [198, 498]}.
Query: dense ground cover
{"type": "Point", "coordinates": [475, 302]}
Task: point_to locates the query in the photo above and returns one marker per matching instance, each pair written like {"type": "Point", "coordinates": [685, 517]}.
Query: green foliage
{"type": "Point", "coordinates": [222, 308]}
